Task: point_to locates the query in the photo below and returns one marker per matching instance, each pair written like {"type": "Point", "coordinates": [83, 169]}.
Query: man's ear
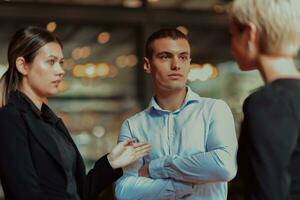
{"type": "Point", "coordinates": [147, 66]}
{"type": "Point", "coordinates": [22, 66]}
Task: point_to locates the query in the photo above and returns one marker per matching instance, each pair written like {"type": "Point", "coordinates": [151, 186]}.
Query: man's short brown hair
{"type": "Point", "coordinates": [162, 33]}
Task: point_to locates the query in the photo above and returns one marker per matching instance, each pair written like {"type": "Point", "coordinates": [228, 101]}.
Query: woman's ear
{"type": "Point", "coordinates": [147, 66]}
{"type": "Point", "coordinates": [251, 34]}
{"type": "Point", "coordinates": [252, 38]}
{"type": "Point", "coordinates": [22, 66]}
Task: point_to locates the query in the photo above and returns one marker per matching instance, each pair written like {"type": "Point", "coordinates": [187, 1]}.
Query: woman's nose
{"type": "Point", "coordinates": [60, 70]}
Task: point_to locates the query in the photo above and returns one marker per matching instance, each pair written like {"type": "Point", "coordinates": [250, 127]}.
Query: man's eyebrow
{"type": "Point", "coordinates": [170, 53]}
{"type": "Point", "coordinates": [184, 53]}
{"type": "Point", "coordinates": [164, 52]}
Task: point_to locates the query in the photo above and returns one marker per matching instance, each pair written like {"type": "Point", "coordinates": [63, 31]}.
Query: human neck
{"type": "Point", "coordinates": [37, 100]}
{"type": "Point", "coordinates": [272, 68]}
{"type": "Point", "coordinates": [170, 100]}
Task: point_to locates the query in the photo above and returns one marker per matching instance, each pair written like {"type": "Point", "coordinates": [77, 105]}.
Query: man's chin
{"type": "Point", "coordinates": [177, 87]}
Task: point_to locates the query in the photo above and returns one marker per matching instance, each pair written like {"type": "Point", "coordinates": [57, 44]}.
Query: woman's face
{"type": "Point", "coordinates": [45, 72]}
{"type": "Point", "coordinates": [240, 47]}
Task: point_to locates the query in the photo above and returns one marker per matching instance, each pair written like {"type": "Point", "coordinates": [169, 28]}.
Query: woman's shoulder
{"type": "Point", "coordinates": [272, 97]}
{"type": "Point", "coordinates": [260, 95]}
{"type": "Point", "coordinates": [9, 111]}
{"type": "Point", "coordinates": [274, 93]}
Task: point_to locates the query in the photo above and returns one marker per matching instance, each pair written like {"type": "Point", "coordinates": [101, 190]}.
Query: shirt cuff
{"type": "Point", "coordinates": [157, 168]}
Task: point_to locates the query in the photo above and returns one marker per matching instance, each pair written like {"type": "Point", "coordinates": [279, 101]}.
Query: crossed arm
{"type": "Point", "coordinates": [218, 163]}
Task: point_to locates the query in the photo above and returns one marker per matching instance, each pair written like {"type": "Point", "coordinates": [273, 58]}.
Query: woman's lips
{"type": "Point", "coordinates": [56, 83]}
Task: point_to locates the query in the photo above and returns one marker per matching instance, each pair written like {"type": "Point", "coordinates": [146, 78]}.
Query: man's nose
{"type": "Point", "coordinates": [175, 64]}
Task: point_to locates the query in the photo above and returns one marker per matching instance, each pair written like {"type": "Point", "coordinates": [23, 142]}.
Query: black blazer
{"type": "Point", "coordinates": [30, 163]}
{"type": "Point", "coordinates": [269, 148]}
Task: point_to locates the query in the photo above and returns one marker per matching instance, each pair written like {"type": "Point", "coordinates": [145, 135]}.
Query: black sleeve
{"type": "Point", "coordinates": [100, 177]}
{"type": "Point", "coordinates": [18, 176]}
{"type": "Point", "coordinates": [268, 137]}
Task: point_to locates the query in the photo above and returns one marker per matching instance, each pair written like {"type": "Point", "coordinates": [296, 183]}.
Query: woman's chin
{"type": "Point", "coordinates": [52, 92]}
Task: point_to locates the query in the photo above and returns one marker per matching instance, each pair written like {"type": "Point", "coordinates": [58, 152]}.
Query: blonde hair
{"type": "Point", "coordinates": [277, 22]}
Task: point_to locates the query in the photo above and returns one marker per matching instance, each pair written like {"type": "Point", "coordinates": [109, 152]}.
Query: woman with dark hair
{"type": "Point", "coordinates": [38, 158]}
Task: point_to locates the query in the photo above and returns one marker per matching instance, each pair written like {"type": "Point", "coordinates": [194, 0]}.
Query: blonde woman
{"type": "Point", "coordinates": [266, 37]}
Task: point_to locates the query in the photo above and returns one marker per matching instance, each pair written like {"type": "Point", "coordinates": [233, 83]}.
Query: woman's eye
{"type": "Point", "coordinates": [51, 62]}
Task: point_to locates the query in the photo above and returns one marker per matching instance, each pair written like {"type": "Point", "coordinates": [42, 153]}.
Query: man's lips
{"type": "Point", "coordinates": [175, 76]}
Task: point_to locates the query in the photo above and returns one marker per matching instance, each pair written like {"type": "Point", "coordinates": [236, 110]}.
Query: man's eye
{"type": "Point", "coordinates": [164, 57]}
{"type": "Point", "coordinates": [183, 57]}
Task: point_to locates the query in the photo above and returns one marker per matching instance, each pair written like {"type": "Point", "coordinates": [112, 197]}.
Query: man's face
{"type": "Point", "coordinates": [169, 64]}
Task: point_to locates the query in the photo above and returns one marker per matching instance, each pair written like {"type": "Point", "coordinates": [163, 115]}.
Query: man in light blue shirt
{"type": "Point", "coordinates": [193, 138]}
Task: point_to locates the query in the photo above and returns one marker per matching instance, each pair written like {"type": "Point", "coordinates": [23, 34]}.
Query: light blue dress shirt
{"type": "Point", "coordinates": [193, 153]}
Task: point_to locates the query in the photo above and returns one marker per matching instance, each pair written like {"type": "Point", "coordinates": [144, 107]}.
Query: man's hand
{"type": "Point", "coordinates": [144, 171]}
{"type": "Point", "coordinates": [127, 152]}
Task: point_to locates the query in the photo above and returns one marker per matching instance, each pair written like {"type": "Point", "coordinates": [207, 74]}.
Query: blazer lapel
{"type": "Point", "coordinates": [61, 126]}
{"type": "Point", "coordinates": [40, 133]}
{"type": "Point", "coordinates": [80, 168]}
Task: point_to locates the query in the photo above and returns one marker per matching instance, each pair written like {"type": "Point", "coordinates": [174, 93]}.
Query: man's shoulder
{"type": "Point", "coordinates": [139, 115]}
{"type": "Point", "coordinates": [209, 103]}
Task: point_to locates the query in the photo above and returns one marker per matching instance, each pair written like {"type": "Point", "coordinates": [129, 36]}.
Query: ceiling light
{"type": "Point", "coordinates": [103, 69]}
{"type": "Point", "coordinates": [202, 72]}
{"type": "Point", "coordinates": [98, 131]}
{"type": "Point", "coordinates": [122, 61]}
{"type": "Point", "coordinates": [152, 1]}
{"type": "Point", "coordinates": [85, 51]}
{"type": "Point", "coordinates": [51, 26]}
{"type": "Point", "coordinates": [132, 3]}
{"type": "Point", "coordinates": [76, 54]}
{"type": "Point", "coordinates": [132, 60]}
{"type": "Point", "coordinates": [103, 37]}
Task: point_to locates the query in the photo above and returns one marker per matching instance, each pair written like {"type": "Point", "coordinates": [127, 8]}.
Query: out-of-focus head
{"type": "Point", "coordinates": [275, 25]}
{"type": "Point", "coordinates": [25, 46]}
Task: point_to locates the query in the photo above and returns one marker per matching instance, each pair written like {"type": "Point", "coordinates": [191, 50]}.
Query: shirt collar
{"type": "Point", "coordinates": [189, 98]}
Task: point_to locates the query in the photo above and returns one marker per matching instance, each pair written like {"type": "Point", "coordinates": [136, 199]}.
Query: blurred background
{"type": "Point", "coordinates": [103, 48]}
